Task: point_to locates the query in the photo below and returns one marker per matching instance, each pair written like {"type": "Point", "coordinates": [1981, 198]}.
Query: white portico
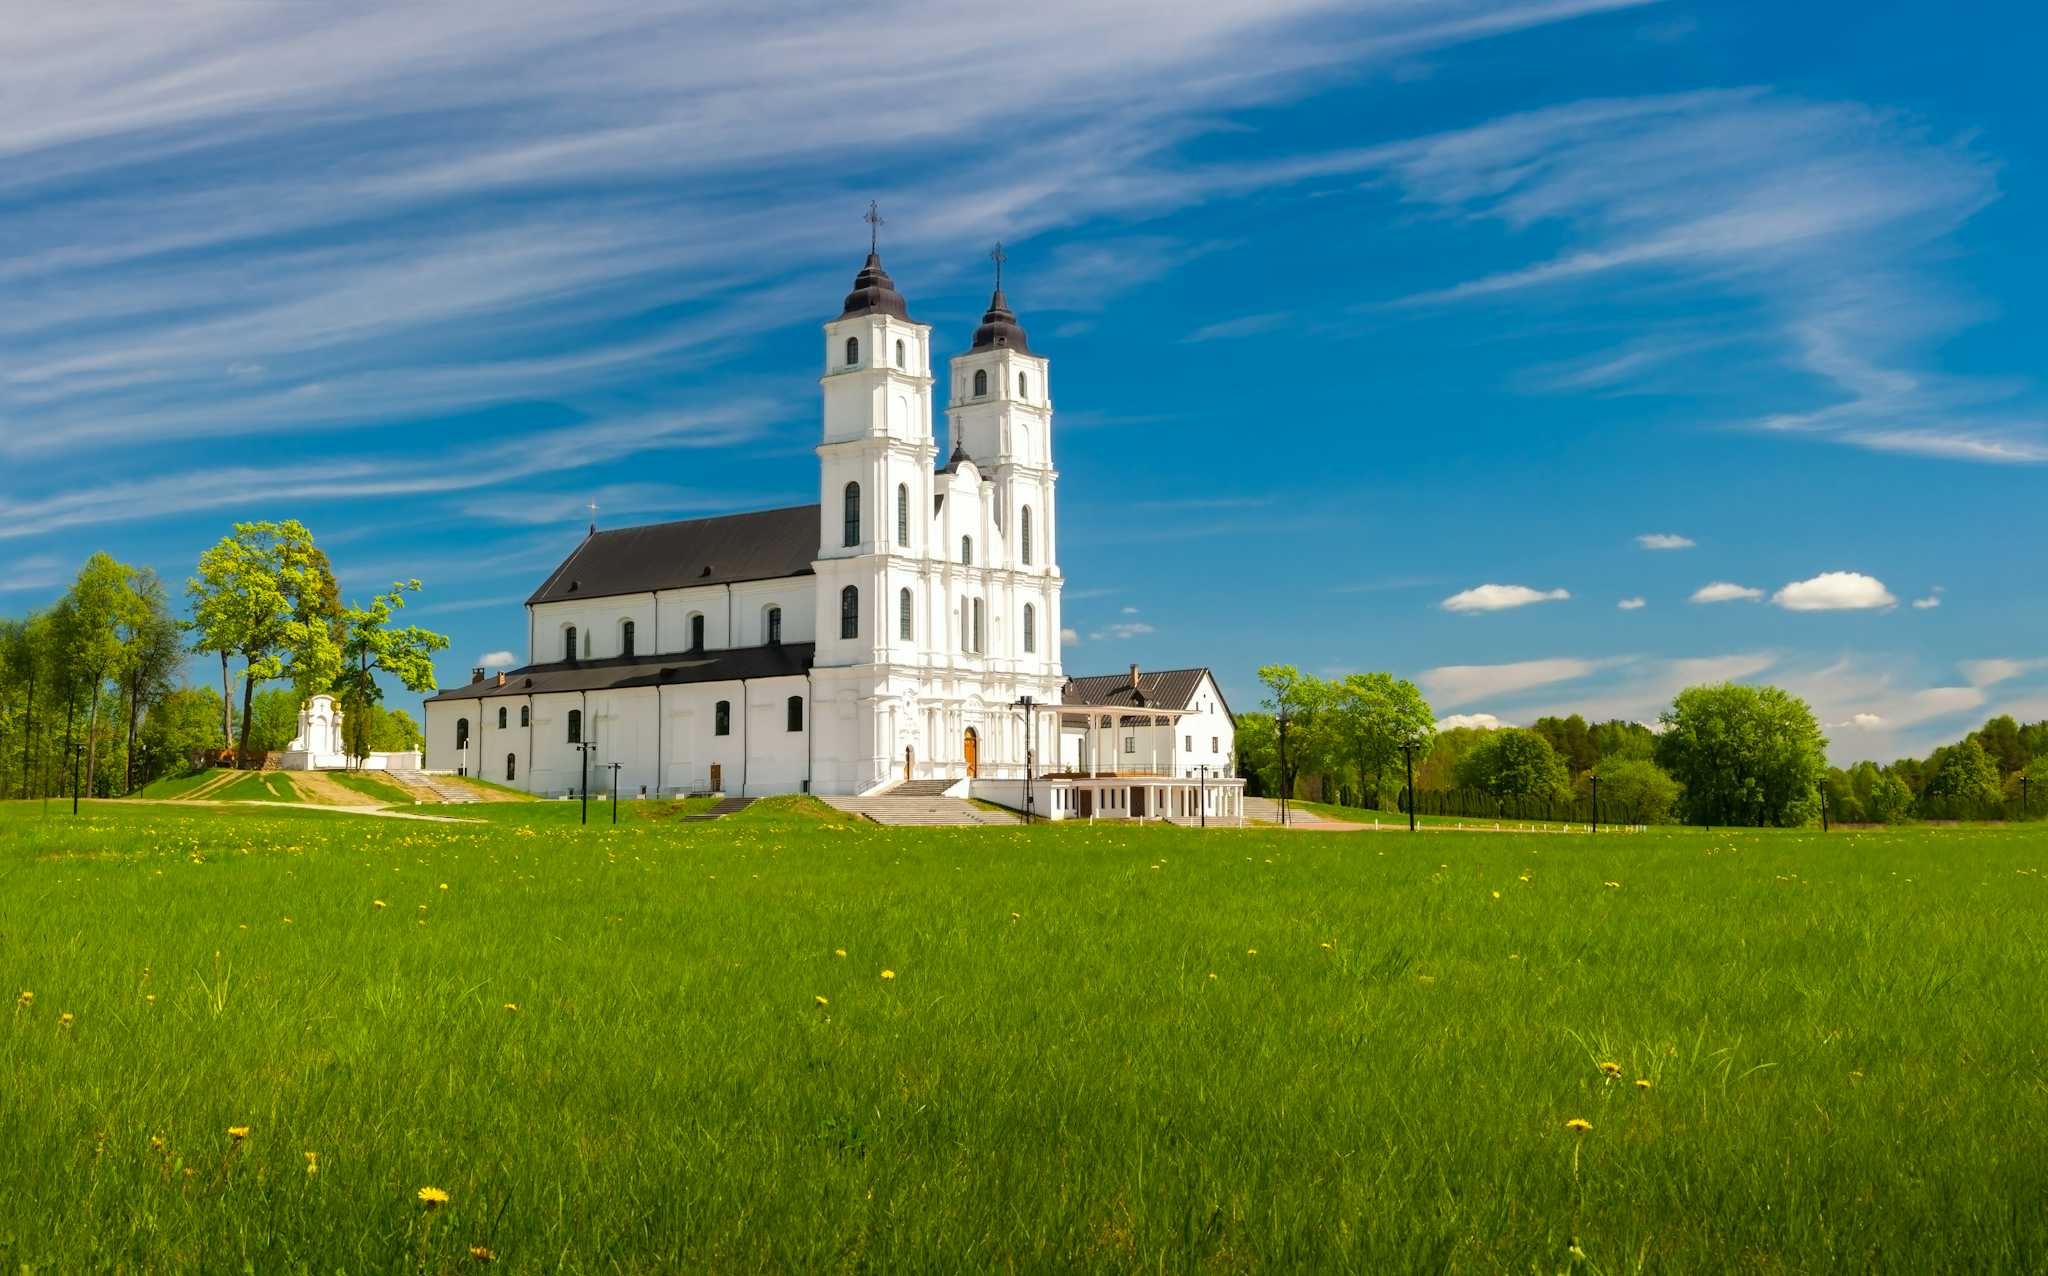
{"type": "Point", "coordinates": [319, 745]}
{"type": "Point", "coordinates": [893, 631]}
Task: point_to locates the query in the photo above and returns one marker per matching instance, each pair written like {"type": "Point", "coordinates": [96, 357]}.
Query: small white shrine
{"type": "Point", "coordinates": [318, 745]}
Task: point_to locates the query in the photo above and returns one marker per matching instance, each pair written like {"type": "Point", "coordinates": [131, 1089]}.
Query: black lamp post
{"type": "Point", "coordinates": [1204, 803]}
{"type": "Point", "coordinates": [615, 790]}
{"type": "Point", "coordinates": [1030, 751]}
{"type": "Point", "coordinates": [584, 748]}
{"type": "Point", "coordinates": [1596, 804]}
{"type": "Point", "coordinates": [1408, 757]}
{"type": "Point", "coordinates": [1280, 721]}
{"type": "Point", "coordinates": [1823, 806]}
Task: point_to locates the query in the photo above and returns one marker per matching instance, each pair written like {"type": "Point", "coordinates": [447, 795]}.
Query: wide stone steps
{"type": "Point", "coordinates": [728, 806]}
{"type": "Point", "coordinates": [433, 788]}
{"type": "Point", "coordinates": [920, 789]}
{"type": "Point", "coordinates": [914, 811]}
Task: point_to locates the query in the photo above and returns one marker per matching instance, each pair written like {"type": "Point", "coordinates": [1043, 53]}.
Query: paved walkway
{"type": "Point", "coordinates": [919, 810]}
{"type": "Point", "coordinates": [380, 812]}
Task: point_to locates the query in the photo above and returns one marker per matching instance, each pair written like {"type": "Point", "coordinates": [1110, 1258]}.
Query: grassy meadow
{"type": "Point", "coordinates": [786, 1042]}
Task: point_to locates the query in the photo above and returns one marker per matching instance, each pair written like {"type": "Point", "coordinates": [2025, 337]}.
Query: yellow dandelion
{"type": "Point", "coordinates": [839, 952]}
{"type": "Point", "coordinates": [1611, 1069]}
{"type": "Point", "coordinates": [888, 974]}
{"type": "Point", "coordinates": [1212, 974]}
{"type": "Point", "coordinates": [26, 999]}
{"type": "Point", "coordinates": [1328, 947]}
{"type": "Point", "coordinates": [821, 1002]}
{"type": "Point", "coordinates": [1613, 886]}
{"type": "Point", "coordinates": [1496, 894]}
{"type": "Point", "coordinates": [149, 997]}
{"type": "Point", "coordinates": [512, 1007]}
{"type": "Point", "coordinates": [1579, 1125]}
{"type": "Point", "coordinates": [377, 903]}
{"type": "Point", "coordinates": [64, 1020]}
{"type": "Point", "coordinates": [433, 1197]}
{"type": "Point", "coordinates": [483, 1253]}
{"type": "Point", "coordinates": [1251, 952]}
{"type": "Point", "coordinates": [238, 1132]}
{"type": "Point", "coordinates": [1642, 1083]}
{"type": "Point", "coordinates": [1016, 917]}
{"type": "Point", "coordinates": [444, 886]}
{"type": "Point", "coordinates": [312, 1162]}
{"type": "Point", "coordinates": [157, 1141]}
{"type": "Point", "coordinates": [1425, 980]}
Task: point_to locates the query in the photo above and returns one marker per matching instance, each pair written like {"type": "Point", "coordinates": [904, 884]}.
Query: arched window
{"type": "Point", "coordinates": [852, 351]}
{"type": "Point", "coordinates": [899, 354]}
{"type": "Point", "coordinates": [525, 715]}
{"type": "Point", "coordinates": [696, 631]}
{"type": "Point", "coordinates": [904, 617]}
{"type": "Point", "coordinates": [903, 515]}
{"type": "Point", "coordinates": [852, 503]}
{"type": "Point", "coordinates": [626, 639]}
{"type": "Point", "coordinates": [461, 734]}
{"type": "Point", "coordinates": [966, 626]}
{"type": "Point", "coordinates": [569, 643]}
{"type": "Point", "coordinates": [774, 626]}
{"type": "Point", "coordinates": [980, 382]}
{"type": "Point", "coordinates": [1024, 533]}
{"type": "Point", "coordinates": [796, 713]}
{"type": "Point", "coordinates": [511, 767]}
{"type": "Point", "coordinates": [575, 726]}
{"type": "Point", "coordinates": [721, 718]}
{"type": "Point", "coordinates": [501, 717]}
{"type": "Point", "coordinates": [967, 550]}
{"type": "Point", "coordinates": [978, 646]}
{"type": "Point", "coordinates": [849, 612]}
{"type": "Point", "coordinates": [1030, 627]}
{"type": "Point", "coordinates": [1022, 391]}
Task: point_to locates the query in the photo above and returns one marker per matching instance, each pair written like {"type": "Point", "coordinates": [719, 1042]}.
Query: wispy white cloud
{"type": "Point", "coordinates": [1500, 598]}
{"type": "Point", "coordinates": [1070, 638]}
{"type": "Point", "coordinates": [1484, 721]}
{"type": "Point", "coordinates": [1930, 602]}
{"type": "Point", "coordinates": [1120, 632]}
{"type": "Point", "coordinates": [1664, 540]}
{"type": "Point", "coordinates": [1453, 685]}
{"type": "Point", "coordinates": [1722, 591]}
{"type": "Point", "coordinates": [1631, 604]}
{"type": "Point", "coordinates": [37, 571]}
{"type": "Point", "coordinates": [497, 660]}
{"type": "Point", "coordinates": [1835, 591]}
{"type": "Point", "coordinates": [1988, 673]}
{"type": "Point", "coordinates": [1241, 326]}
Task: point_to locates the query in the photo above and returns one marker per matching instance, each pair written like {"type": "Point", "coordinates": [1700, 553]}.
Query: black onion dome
{"type": "Point", "coordinates": [874, 293]}
{"type": "Point", "coordinates": [953, 462]}
{"type": "Point", "coordinates": [999, 328]}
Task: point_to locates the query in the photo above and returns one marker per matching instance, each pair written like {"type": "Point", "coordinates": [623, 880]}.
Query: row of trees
{"type": "Point", "coordinates": [91, 684]}
{"type": "Point", "coordinates": [1998, 771]}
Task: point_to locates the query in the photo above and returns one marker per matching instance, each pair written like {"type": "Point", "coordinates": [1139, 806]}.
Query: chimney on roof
{"type": "Point", "coordinates": [476, 674]}
{"type": "Point", "coordinates": [501, 679]}
{"type": "Point", "coordinates": [1134, 677]}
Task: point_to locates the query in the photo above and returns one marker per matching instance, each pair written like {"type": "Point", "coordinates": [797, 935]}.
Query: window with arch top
{"type": "Point", "coordinates": [569, 643]}
{"type": "Point", "coordinates": [795, 709]}
{"type": "Point", "coordinates": [511, 767]}
{"type": "Point", "coordinates": [980, 382]}
{"type": "Point", "coordinates": [626, 639]}
{"type": "Point", "coordinates": [967, 550]}
{"type": "Point", "coordinates": [721, 718]}
{"type": "Point", "coordinates": [852, 351]}
{"type": "Point", "coordinates": [903, 515]}
{"type": "Point", "coordinates": [461, 733]}
{"type": "Point", "coordinates": [1023, 387]}
{"type": "Point", "coordinates": [849, 612]}
{"type": "Point", "coordinates": [899, 355]}
{"type": "Point", "coordinates": [501, 717]}
{"type": "Point", "coordinates": [525, 715]}
{"type": "Point", "coordinates": [1030, 627]}
{"type": "Point", "coordinates": [575, 726]}
{"type": "Point", "coordinates": [696, 631]}
{"type": "Point", "coordinates": [1024, 534]}
{"type": "Point", "coordinates": [774, 626]}
{"type": "Point", "coordinates": [905, 617]}
{"type": "Point", "coordinates": [852, 511]}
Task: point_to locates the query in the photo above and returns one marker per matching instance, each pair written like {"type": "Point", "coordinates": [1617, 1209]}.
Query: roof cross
{"type": "Point", "coordinates": [998, 257]}
{"type": "Point", "coordinates": [592, 507]}
{"type": "Point", "coordinates": [874, 221]}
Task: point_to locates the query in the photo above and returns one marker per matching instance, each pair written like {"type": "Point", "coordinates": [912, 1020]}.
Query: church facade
{"type": "Point", "coordinates": [905, 627]}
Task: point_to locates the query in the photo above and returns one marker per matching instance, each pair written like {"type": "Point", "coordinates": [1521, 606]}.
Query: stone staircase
{"type": "Point", "coordinates": [920, 803]}
{"type": "Point", "coordinates": [432, 788]}
{"type": "Point", "coordinates": [727, 806]}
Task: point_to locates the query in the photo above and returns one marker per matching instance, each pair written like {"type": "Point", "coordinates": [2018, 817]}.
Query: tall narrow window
{"type": "Point", "coordinates": [966, 627]}
{"type": "Point", "coordinates": [967, 550]}
{"type": "Point", "coordinates": [774, 626]}
{"type": "Point", "coordinates": [978, 647]}
{"type": "Point", "coordinates": [905, 617]}
{"type": "Point", "coordinates": [626, 640]}
{"type": "Point", "coordinates": [1030, 627]}
{"type": "Point", "coordinates": [1024, 533]}
{"type": "Point", "coordinates": [1023, 390]}
{"type": "Point", "coordinates": [849, 612]}
{"type": "Point", "coordinates": [511, 767]}
{"type": "Point", "coordinates": [980, 382]}
{"type": "Point", "coordinates": [903, 515]}
{"type": "Point", "coordinates": [569, 643]}
{"type": "Point", "coordinates": [697, 631]}
{"type": "Point", "coordinates": [852, 504]}
{"type": "Point", "coordinates": [852, 351]}
{"type": "Point", "coordinates": [525, 715]}
{"type": "Point", "coordinates": [461, 734]}
{"type": "Point", "coordinates": [796, 713]}
{"type": "Point", "coordinates": [501, 717]}
{"type": "Point", "coordinates": [575, 726]}
{"type": "Point", "coordinates": [899, 354]}
{"type": "Point", "coordinates": [721, 718]}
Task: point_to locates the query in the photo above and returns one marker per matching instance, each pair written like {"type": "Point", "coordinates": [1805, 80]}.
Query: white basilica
{"type": "Point", "coordinates": [904, 629]}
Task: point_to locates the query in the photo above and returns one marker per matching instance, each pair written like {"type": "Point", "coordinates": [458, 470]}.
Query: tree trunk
{"type": "Point", "coordinates": [227, 735]}
{"type": "Point", "coordinates": [248, 705]}
{"type": "Point", "coordinates": [134, 712]}
{"type": "Point", "coordinates": [70, 715]}
{"type": "Point", "coordinates": [92, 730]}
{"type": "Point", "coordinates": [28, 733]}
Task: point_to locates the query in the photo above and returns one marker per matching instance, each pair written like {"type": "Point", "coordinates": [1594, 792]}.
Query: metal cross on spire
{"type": "Point", "coordinates": [998, 257]}
{"type": "Point", "coordinates": [874, 221]}
{"type": "Point", "coordinates": [592, 507]}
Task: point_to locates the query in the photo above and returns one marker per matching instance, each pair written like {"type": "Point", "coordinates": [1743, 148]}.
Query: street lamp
{"type": "Point", "coordinates": [1280, 720]}
{"type": "Point", "coordinates": [615, 790]}
{"type": "Point", "coordinates": [1204, 804]}
{"type": "Point", "coordinates": [1408, 757]}
{"type": "Point", "coordinates": [1030, 749]}
{"type": "Point", "coordinates": [585, 747]}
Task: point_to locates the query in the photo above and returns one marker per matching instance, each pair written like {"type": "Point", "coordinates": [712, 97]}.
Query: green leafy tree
{"type": "Point", "coordinates": [1258, 753]}
{"type": "Point", "coordinates": [372, 645]}
{"type": "Point", "coordinates": [1618, 739]}
{"type": "Point", "coordinates": [2000, 739]}
{"type": "Point", "coordinates": [1301, 698]}
{"type": "Point", "coordinates": [273, 721]}
{"type": "Point", "coordinates": [152, 647]}
{"type": "Point", "coordinates": [1745, 755]}
{"type": "Point", "coordinates": [1964, 778]}
{"type": "Point", "coordinates": [1369, 717]}
{"type": "Point", "coordinates": [1633, 790]}
{"type": "Point", "coordinates": [396, 732]}
{"type": "Point", "coordinates": [1515, 763]}
{"type": "Point", "coordinates": [1439, 770]}
{"type": "Point", "coordinates": [90, 621]}
{"type": "Point", "coordinates": [178, 727]}
{"type": "Point", "coordinates": [1571, 739]}
{"type": "Point", "coordinates": [267, 593]}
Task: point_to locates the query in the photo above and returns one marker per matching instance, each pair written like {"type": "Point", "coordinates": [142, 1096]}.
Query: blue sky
{"type": "Point", "coordinates": [1355, 310]}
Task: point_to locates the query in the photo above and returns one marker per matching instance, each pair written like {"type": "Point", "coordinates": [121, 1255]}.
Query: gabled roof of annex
{"type": "Point", "coordinates": [763, 545]}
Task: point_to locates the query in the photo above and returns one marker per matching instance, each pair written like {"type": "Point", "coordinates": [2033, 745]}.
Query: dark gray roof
{"type": "Point", "coordinates": [999, 327]}
{"type": "Point", "coordinates": [874, 293]}
{"type": "Point", "coordinates": [1165, 689]}
{"type": "Point", "coordinates": [781, 660]}
{"type": "Point", "coordinates": [764, 545]}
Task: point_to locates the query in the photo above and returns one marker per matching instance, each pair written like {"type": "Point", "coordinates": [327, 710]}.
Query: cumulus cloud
{"type": "Point", "coordinates": [1722, 591]}
{"type": "Point", "coordinates": [1664, 540]}
{"type": "Point", "coordinates": [1462, 684]}
{"type": "Point", "coordinates": [1930, 602]}
{"type": "Point", "coordinates": [497, 660]}
{"type": "Point", "coordinates": [1500, 598]}
{"type": "Point", "coordinates": [1835, 591]}
{"type": "Point", "coordinates": [1070, 637]}
{"type": "Point", "coordinates": [1862, 721]}
{"type": "Point", "coordinates": [1485, 721]}
{"type": "Point", "coordinates": [1631, 604]}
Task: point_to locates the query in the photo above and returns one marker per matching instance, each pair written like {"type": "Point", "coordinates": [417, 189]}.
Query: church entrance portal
{"type": "Point", "coordinates": [717, 778]}
{"type": "Point", "coordinates": [971, 749]}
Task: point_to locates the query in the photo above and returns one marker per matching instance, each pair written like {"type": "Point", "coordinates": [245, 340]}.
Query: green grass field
{"type": "Point", "coordinates": [371, 785]}
{"type": "Point", "coordinates": [1102, 1049]}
